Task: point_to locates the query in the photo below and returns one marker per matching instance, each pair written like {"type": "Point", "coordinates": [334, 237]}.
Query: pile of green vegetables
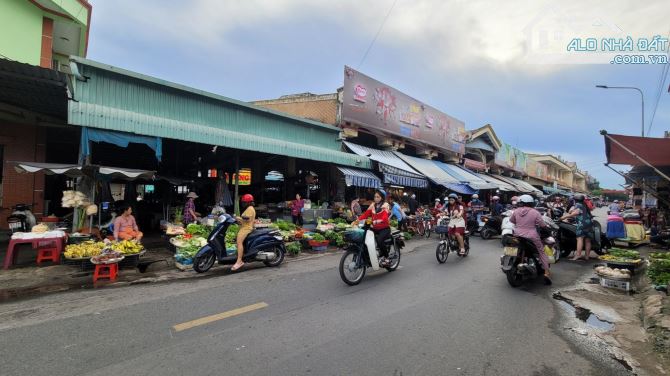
{"type": "Point", "coordinates": [335, 238]}
{"type": "Point", "coordinates": [293, 248]}
{"type": "Point", "coordinates": [624, 253]}
{"type": "Point", "coordinates": [659, 270]}
{"type": "Point", "coordinates": [318, 237]}
{"type": "Point", "coordinates": [198, 230]}
{"type": "Point", "coordinates": [231, 235]}
{"type": "Point", "coordinates": [284, 225]}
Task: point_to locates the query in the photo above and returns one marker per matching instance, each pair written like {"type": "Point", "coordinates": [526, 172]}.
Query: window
{"type": "Point", "coordinates": [182, 189]}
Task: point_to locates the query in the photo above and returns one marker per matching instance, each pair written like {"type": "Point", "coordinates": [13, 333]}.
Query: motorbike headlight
{"type": "Point", "coordinates": [279, 237]}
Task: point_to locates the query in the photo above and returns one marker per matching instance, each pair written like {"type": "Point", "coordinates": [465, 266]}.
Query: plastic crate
{"type": "Point", "coordinates": [322, 248]}
{"type": "Point", "coordinates": [441, 229]}
{"type": "Point", "coordinates": [615, 284]}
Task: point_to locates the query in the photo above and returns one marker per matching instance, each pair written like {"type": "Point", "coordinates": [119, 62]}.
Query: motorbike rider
{"type": "Point", "coordinates": [379, 211]}
{"type": "Point", "coordinates": [456, 220]}
{"type": "Point", "coordinates": [526, 220]}
{"type": "Point", "coordinates": [614, 208]}
{"type": "Point", "coordinates": [513, 203]}
{"type": "Point", "coordinates": [246, 222]}
{"type": "Point", "coordinates": [496, 207]}
{"type": "Point", "coordinates": [438, 204]}
{"type": "Point", "coordinates": [476, 205]}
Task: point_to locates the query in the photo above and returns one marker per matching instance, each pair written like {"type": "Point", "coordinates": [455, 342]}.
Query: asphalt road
{"type": "Point", "coordinates": [458, 318]}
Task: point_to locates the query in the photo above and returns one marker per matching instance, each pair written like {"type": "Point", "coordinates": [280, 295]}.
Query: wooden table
{"type": "Point", "coordinates": [12, 251]}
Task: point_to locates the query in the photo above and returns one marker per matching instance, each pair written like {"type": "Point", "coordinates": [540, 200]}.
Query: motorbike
{"type": "Point", "coordinates": [520, 260]}
{"type": "Point", "coordinates": [566, 238]}
{"type": "Point", "coordinates": [473, 225]}
{"type": "Point", "coordinates": [362, 253]}
{"type": "Point", "coordinates": [264, 245]}
{"type": "Point", "coordinates": [449, 243]}
{"type": "Point", "coordinates": [21, 219]}
{"type": "Point", "coordinates": [492, 226]}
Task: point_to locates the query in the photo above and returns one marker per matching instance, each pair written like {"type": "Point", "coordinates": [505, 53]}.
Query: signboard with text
{"type": "Point", "coordinates": [372, 104]}
{"type": "Point", "coordinates": [537, 170]}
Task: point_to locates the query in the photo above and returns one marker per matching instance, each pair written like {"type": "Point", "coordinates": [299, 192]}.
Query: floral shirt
{"type": "Point", "coordinates": [188, 207]}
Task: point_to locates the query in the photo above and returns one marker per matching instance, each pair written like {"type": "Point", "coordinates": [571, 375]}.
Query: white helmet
{"type": "Point", "coordinates": [616, 201]}
{"type": "Point", "coordinates": [475, 196]}
{"type": "Point", "coordinates": [526, 199]}
{"type": "Point", "coordinates": [438, 200]}
{"type": "Point", "coordinates": [495, 198]}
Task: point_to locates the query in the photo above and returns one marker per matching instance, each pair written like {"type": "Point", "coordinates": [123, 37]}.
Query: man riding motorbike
{"type": "Point", "coordinates": [496, 207]}
{"type": "Point", "coordinates": [379, 211]}
{"type": "Point", "coordinates": [526, 220]}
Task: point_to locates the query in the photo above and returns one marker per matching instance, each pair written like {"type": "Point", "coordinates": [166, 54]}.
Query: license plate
{"type": "Point", "coordinates": [510, 251]}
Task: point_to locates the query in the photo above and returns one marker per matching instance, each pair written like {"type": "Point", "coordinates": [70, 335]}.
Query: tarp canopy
{"type": "Point", "coordinates": [429, 169]}
{"type": "Point", "coordinates": [360, 178]}
{"type": "Point", "coordinates": [121, 139]}
{"type": "Point", "coordinates": [78, 171]}
{"type": "Point", "coordinates": [395, 170]}
{"type": "Point", "coordinates": [655, 151]}
{"type": "Point", "coordinates": [522, 186]}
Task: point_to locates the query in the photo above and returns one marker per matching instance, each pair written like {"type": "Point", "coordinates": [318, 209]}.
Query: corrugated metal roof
{"type": "Point", "coordinates": [33, 88]}
{"type": "Point", "coordinates": [116, 99]}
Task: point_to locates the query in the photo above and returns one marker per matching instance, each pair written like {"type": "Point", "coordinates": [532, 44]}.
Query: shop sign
{"type": "Point", "coordinates": [475, 165]}
{"type": "Point", "coordinates": [398, 114]}
{"type": "Point", "coordinates": [245, 177]}
{"type": "Point", "coordinates": [512, 158]}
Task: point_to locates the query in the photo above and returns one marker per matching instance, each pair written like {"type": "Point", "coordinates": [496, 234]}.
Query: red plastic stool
{"type": "Point", "coordinates": [105, 271]}
{"type": "Point", "coordinates": [48, 251]}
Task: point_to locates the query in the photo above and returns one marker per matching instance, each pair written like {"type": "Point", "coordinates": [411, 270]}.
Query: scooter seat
{"type": "Point", "coordinates": [259, 232]}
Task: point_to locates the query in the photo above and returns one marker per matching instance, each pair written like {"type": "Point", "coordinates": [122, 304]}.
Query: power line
{"type": "Point", "coordinates": [660, 88]}
{"type": "Point", "coordinates": [377, 35]}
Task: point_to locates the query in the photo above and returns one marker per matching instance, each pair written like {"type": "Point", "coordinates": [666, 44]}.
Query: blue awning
{"type": "Point", "coordinates": [465, 176]}
{"type": "Point", "coordinates": [405, 181]}
{"type": "Point", "coordinates": [429, 169]}
{"type": "Point", "coordinates": [394, 169]}
{"type": "Point", "coordinates": [121, 139]}
{"type": "Point", "coordinates": [360, 178]}
{"type": "Point", "coordinates": [462, 188]}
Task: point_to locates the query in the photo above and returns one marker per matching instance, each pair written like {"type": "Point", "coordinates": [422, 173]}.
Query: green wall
{"type": "Point", "coordinates": [21, 31]}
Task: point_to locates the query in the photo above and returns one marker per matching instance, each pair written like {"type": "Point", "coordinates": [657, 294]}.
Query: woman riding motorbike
{"type": "Point", "coordinates": [456, 221]}
{"type": "Point", "coordinates": [526, 220]}
{"type": "Point", "coordinates": [379, 211]}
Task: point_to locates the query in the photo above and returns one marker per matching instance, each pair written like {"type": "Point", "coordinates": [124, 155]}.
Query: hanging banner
{"type": "Point", "coordinates": [372, 104]}
{"type": "Point", "coordinates": [245, 177]}
{"type": "Point", "coordinates": [510, 157]}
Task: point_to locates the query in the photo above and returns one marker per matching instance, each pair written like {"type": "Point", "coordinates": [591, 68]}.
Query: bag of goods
{"type": "Point", "coordinates": [549, 251]}
{"type": "Point", "coordinates": [92, 209]}
{"type": "Point", "coordinates": [40, 228]}
{"type": "Point", "coordinates": [615, 273]}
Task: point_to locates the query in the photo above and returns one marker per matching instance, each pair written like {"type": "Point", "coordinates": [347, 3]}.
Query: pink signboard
{"type": "Point", "coordinates": [372, 104]}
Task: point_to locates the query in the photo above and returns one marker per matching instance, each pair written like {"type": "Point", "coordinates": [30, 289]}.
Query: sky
{"type": "Point", "coordinates": [504, 63]}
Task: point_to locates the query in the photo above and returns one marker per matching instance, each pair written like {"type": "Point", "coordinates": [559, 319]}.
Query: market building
{"type": "Point", "coordinates": [559, 173]}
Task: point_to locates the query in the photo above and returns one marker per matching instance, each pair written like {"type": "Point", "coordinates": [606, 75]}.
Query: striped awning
{"type": "Point", "coordinates": [501, 184]}
{"type": "Point", "coordinates": [467, 177]}
{"type": "Point", "coordinates": [360, 178]}
{"type": "Point", "coordinates": [394, 169]}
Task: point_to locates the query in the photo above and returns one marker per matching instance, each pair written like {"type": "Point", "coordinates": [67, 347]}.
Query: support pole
{"type": "Point", "coordinates": [237, 183]}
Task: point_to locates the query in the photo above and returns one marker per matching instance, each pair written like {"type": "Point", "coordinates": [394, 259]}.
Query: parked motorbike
{"type": "Point", "coordinates": [449, 243]}
{"type": "Point", "coordinates": [362, 253]}
{"type": "Point", "coordinates": [492, 226]}
{"type": "Point", "coordinates": [21, 219]}
{"type": "Point", "coordinates": [566, 238]}
{"type": "Point", "coordinates": [265, 245]}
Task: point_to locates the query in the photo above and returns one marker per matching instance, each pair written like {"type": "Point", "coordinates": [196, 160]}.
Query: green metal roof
{"type": "Point", "coordinates": [117, 99]}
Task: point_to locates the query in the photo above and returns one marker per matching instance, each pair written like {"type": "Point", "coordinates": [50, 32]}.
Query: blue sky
{"type": "Point", "coordinates": [470, 59]}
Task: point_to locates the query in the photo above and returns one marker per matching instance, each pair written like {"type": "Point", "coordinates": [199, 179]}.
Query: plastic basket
{"type": "Point", "coordinates": [321, 248]}
{"type": "Point", "coordinates": [615, 284]}
{"type": "Point", "coordinates": [441, 229]}
{"type": "Point", "coordinates": [356, 236]}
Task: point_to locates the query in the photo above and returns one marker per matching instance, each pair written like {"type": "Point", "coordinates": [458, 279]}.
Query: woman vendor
{"type": "Point", "coordinates": [125, 227]}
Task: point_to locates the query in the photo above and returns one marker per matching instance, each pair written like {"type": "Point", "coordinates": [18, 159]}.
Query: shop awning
{"type": "Point", "coordinates": [462, 188]}
{"type": "Point", "coordinates": [551, 190]}
{"type": "Point", "coordinates": [501, 184]}
{"type": "Point", "coordinates": [49, 168]}
{"type": "Point", "coordinates": [522, 186]}
{"type": "Point", "coordinates": [637, 151]}
{"type": "Point", "coordinates": [467, 177]}
{"type": "Point", "coordinates": [360, 178]}
{"type": "Point", "coordinates": [429, 169]}
{"type": "Point", "coordinates": [78, 171]}
{"type": "Point", "coordinates": [395, 170]}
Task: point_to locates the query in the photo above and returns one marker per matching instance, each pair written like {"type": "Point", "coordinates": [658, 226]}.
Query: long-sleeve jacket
{"type": "Point", "coordinates": [380, 218]}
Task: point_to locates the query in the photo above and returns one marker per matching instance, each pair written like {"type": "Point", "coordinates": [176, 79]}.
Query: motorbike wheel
{"type": "Point", "coordinates": [513, 278]}
{"type": "Point", "coordinates": [486, 234]}
{"type": "Point", "coordinates": [349, 277]}
{"type": "Point", "coordinates": [279, 257]}
{"type": "Point", "coordinates": [466, 243]}
{"type": "Point", "coordinates": [203, 263]}
{"type": "Point", "coordinates": [395, 259]}
{"type": "Point", "coordinates": [441, 253]}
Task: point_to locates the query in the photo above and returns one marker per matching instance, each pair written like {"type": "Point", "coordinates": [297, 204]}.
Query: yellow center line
{"type": "Point", "coordinates": [218, 316]}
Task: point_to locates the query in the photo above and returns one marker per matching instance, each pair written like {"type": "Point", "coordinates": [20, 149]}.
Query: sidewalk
{"type": "Point", "coordinates": [31, 281]}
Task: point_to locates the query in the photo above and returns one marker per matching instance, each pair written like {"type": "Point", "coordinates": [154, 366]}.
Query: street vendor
{"type": "Point", "coordinates": [125, 227]}
{"type": "Point", "coordinates": [190, 215]}
{"type": "Point", "coordinates": [246, 222]}
{"type": "Point", "coordinates": [297, 207]}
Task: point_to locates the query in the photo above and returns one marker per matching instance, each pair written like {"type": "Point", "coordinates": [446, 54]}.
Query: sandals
{"type": "Point", "coordinates": [237, 267]}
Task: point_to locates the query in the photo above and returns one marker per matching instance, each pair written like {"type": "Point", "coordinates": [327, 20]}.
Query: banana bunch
{"type": "Point", "coordinates": [85, 249]}
{"type": "Point", "coordinates": [127, 247]}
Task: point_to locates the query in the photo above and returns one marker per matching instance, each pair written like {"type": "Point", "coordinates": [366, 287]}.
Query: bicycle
{"type": "Point", "coordinates": [449, 243]}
